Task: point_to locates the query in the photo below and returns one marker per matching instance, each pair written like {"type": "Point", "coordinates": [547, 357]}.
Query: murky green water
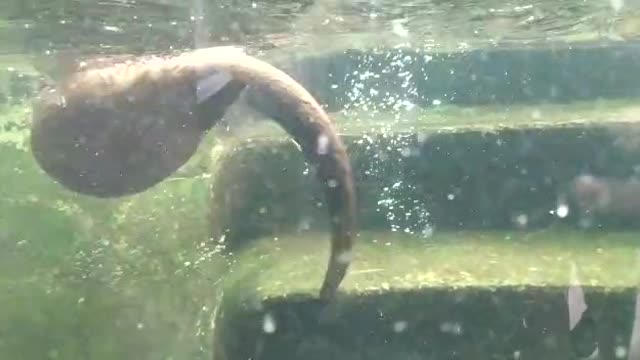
{"type": "Point", "coordinates": [469, 125]}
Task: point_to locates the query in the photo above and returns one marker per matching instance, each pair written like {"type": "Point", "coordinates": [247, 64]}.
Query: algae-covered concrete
{"type": "Point", "coordinates": [86, 278]}
{"type": "Point", "coordinates": [464, 295]}
{"type": "Point", "coordinates": [383, 77]}
{"type": "Point", "coordinates": [438, 291]}
{"type": "Point", "coordinates": [142, 271]}
{"type": "Point", "coordinates": [417, 176]}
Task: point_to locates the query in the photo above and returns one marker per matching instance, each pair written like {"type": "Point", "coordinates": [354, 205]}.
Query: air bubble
{"type": "Point", "coordinates": [268, 324]}
{"type": "Point", "coordinates": [451, 328]}
{"type": "Point", "coordinates": [562, 211]}
{"type": "Point", "coordinates": [621, 352]}
{"type": "Point", "coordinates": [323, 145]}
{"type": "Point", "coordinates": [400, 326]}
{"type": "Point", "coordinates": [522, 220]}
{"type": "Point", "coordinates": [345, 257]}
{"type": "Point", "coordinates": [536, 115]}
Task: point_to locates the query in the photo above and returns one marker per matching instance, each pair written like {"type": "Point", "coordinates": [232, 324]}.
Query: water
{"type": "Point", "coordinates": [41, 26]}
{"type": "Point", "coordinates": [494, 148]}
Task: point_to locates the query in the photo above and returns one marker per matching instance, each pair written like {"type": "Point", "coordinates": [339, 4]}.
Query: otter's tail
{"type": "Point", "coordinates": [295, 109]}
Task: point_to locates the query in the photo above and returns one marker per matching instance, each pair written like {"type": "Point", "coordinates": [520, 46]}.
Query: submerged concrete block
{"type": "Point", "coordinates": [465, 178]}
{"type": "Point", "coordinates": [406, 299]}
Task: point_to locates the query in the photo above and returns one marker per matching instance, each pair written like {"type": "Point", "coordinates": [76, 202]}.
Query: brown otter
{"type": "Point", "coordinates": [122, 127]}
{"type": "Point", "coordinates": [605, 196]}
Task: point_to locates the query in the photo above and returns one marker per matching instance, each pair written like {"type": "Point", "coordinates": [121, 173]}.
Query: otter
{"type": "Point", "coordinates": [600, 196]}
{"type": "Point", "coordinates": [116, 128]}
{"type": "Point", "coordinates": [602, 202]}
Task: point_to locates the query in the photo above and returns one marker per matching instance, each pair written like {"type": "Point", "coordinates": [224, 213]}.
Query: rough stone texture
{"type": "Point", "coordinates": [492, 75]}
{"type": "Point", "coordinates": [497, 178]}
{"type": "Point", "coordinates": [396, 312]}
{"type": "Point", "coordinates": [465, 179]}
{"type": "Point", "coordinates": [469, 324]}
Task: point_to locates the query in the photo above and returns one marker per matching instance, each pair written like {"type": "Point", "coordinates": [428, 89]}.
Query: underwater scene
{"type": "Point", "coordinates": [319, 179]}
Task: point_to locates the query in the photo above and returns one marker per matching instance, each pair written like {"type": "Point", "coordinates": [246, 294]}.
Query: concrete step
{"type": "Point", "coordinates": [426, 284]}
{"type": "Point", "coordinates": [384, 77]}
{"type": "Point", "coordinates": [507, 171]}
{"type": "Point", "coordinates": [442, 144]}
{"type": "Point", "coordinates": [462, 295]}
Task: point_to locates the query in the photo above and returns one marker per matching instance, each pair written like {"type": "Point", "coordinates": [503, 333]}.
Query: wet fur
{"type": "Point", "coordinates": [605, 196]}
{"type": "Point", "coordinates": [117, 96]}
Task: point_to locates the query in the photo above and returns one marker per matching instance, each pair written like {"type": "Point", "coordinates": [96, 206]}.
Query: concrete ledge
{"type": "Point", "coordinates": [431, 324]}
{"type": "Point", "coordinates": [456, 178]}
{"type": "Point", "coordinates": [559, 73]}
{"type": "Point", "coordinates": [472, 295]}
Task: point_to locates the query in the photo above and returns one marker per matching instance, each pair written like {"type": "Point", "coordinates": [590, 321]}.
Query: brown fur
{"type": "Point", "coordinates": [607, 196]}
{"type": "Point", "coordinates": [114, 130]}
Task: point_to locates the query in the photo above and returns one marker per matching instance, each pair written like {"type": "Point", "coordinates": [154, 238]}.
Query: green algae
{"type": "Point", "coordinates": [392, 261]}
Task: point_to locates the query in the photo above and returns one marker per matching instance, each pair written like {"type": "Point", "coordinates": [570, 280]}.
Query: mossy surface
{"type": "Point", "coordinates": [470, 175]}
{"type": "Point", "coordinates": [386, 261]}
{"type": "Point", "coordinates": [137, 277]}
{"type": "Point", "coordinates": [452, 118]}
{"type": "Point", "coordinates": [418, 290]}
{"type": "Point", "coordinates": [140, 271]}
{"type": "Point", "coordinates": [472, 294]}
{"type": "Point", "coordinates": [86, 278]}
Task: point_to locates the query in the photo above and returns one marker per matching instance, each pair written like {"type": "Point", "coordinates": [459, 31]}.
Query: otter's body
{"type": "Point", "coordinates": [600, 196]}
{"type": "Point", "coordinates": [121, 128]}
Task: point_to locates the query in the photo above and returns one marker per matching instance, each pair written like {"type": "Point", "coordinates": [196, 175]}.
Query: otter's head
{"type": "Point", "coordinates": [591, 193]}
